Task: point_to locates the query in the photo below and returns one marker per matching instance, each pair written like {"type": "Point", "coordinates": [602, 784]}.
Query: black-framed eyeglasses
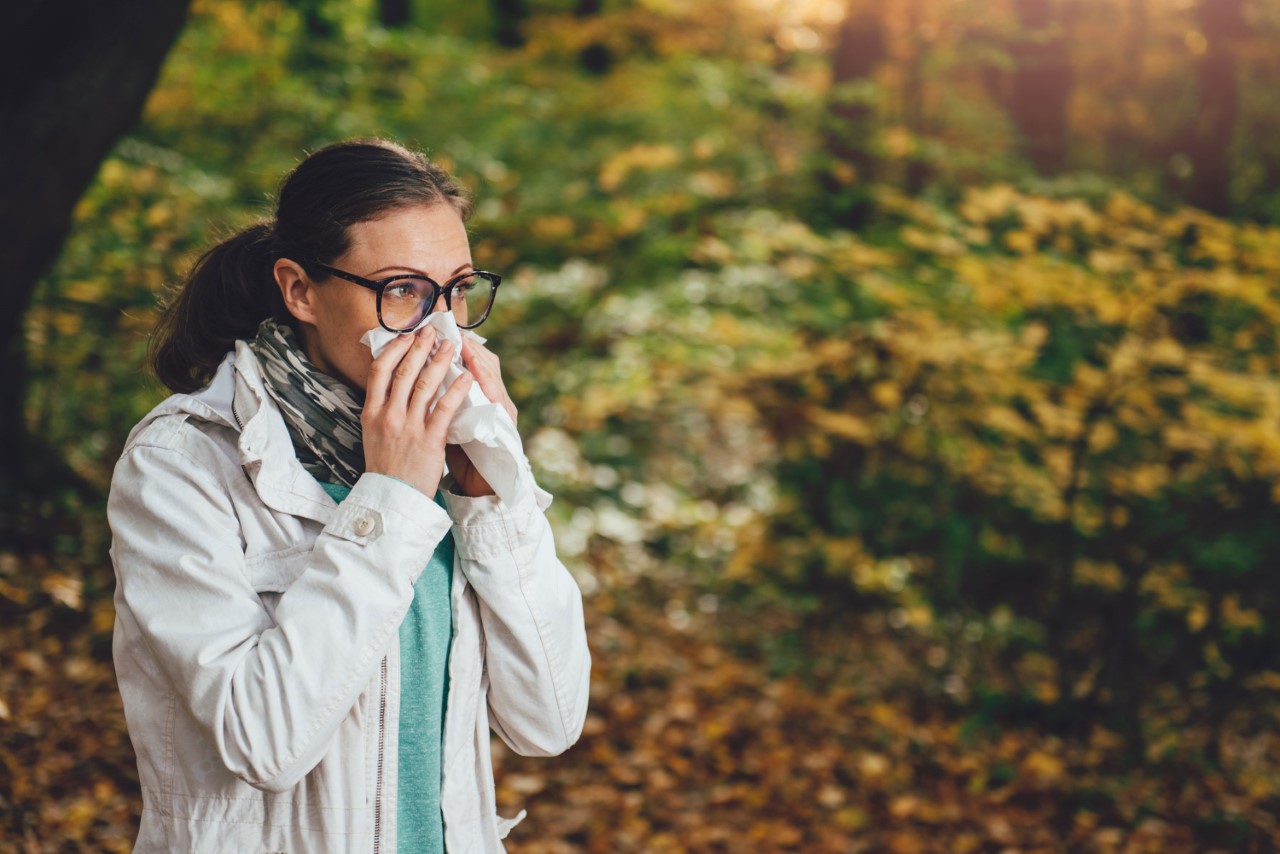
{"type": "Point", "coordinates": [404, 300]}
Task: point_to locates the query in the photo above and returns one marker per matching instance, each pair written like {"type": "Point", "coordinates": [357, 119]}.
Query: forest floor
{"type": "Point", "coordinates": [712, 727]}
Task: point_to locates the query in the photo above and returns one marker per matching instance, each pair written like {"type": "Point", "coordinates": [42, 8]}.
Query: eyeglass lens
{"type": "Point", "coordinates": [405, 302]}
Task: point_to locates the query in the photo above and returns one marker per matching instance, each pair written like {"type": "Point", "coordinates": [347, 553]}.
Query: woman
{"type": "Point", "coordinates": [312, 639]}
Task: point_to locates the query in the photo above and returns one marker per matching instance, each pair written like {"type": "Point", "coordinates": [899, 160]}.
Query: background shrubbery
{"type": "Point", "coordinates": [1033, 421]}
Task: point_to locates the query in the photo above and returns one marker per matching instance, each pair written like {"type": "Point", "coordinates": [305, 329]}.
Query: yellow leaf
{"type": "Point", "coordinates": [1044, 766]}
{"type": "Point", "coordinates": [1197, 616]}
{"type": "Point", "coordinates": [64, 590]}
{"type": "Point", "coordinates": [1267, 679]}
{"type": "Point", "coordinates": [79, 815]}
{"type": "Point", "coordinates": [85, 290]}
{"type": "Point", "coordinates": [158, 214]}
{"type": "Point", "coordinates": [1103, 574]}
{"type": "Point", "coordinates": [841, 424]}
{"type": "Point", "coordinates": [1236, 617]}
{"type": "Point", "coordinates": [886, 394]}
{"type": "Point", "coordinates": [67, 322]}
{"type": "Point", "coordinates": [873, 765]}
{"type": "Point", "coordinates": [550, 228]}
{"type": "Point", "coordinates": [1006, 420]}
{"type": "Point", "coordinates": [1166, 351]}
{"type": "Point", "coordinates": [1020, 241]}
{"type": "Point", "coordinates": [640, 156]}
{"type": "Point", "coordinates": [13, 593]}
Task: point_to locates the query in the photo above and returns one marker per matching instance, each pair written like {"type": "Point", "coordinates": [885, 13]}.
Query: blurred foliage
{"type": "Point", "coordinates": [1032, 422]}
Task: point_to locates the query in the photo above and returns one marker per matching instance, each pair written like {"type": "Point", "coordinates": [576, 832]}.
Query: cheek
{"type": "Point", "coordinates": [359, 363]}
{"type": "Point", "coordinates": [349, 359]}
{"type": "Point", "coordinates": [340, 329]}
{"type": "Point", "coordinates": [355, 356]}
{"type": "Point", "coordinates": [352, 315]}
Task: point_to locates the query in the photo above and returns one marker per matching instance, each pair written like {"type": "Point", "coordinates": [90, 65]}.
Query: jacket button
{"type": "Point", "coordinates": [364, 526]}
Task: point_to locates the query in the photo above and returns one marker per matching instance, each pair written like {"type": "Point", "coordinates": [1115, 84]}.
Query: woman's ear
{"type": "Point", "coordinates": [296, 289]}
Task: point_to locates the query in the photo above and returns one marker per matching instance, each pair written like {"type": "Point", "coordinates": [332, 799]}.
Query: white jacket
{"type": "Point", "coordinates": [257, 646]}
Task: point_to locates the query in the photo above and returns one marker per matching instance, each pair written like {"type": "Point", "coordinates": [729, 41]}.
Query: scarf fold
{"type": "Point", "coordinates": [322, 413]}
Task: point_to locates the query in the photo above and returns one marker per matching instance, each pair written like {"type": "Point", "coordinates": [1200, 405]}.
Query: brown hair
{"type": "Point", "coordinates": [231, 288]}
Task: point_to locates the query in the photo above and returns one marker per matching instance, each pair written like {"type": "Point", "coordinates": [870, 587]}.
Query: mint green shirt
{"type": "Point", "coordinates": [424, 656]}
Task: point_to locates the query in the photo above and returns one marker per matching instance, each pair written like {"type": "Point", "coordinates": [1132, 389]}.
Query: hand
{"type": "Point", "coordinates": [400, 438]}
{"type": "Point", "coordinates": [484, 366]}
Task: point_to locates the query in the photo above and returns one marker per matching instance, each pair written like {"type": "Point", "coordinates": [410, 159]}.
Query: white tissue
{"type": "Point", "coordinates": [482, 428]}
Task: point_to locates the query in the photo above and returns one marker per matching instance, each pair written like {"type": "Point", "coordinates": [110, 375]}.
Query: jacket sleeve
{"type": "Point", "coordinates": [268, 697]}
{"type": "Point", "coordinates": [536, 652]}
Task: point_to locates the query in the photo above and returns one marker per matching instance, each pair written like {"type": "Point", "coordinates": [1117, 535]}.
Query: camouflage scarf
{"type": "Point", "coordinates": [323, 414]}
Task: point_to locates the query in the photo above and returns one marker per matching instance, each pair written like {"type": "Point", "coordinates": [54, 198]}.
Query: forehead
{"type": "Point", "coordinates": [430, 239]}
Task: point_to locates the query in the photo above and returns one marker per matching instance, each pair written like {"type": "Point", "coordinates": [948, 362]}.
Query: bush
{"type": "Point", "coordinates": [1042, 429]}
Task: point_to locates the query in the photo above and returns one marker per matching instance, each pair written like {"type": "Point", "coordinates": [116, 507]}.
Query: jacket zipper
{"type": "Point", "coordinates": [377, 791]}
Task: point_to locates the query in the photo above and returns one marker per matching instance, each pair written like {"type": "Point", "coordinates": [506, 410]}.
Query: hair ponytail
{"type": "Point", "coordinates": [229, 292]}
{"type": "Point", "coordinates": [232, 288]}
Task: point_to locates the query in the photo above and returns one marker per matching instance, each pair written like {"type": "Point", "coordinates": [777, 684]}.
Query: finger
{"type": "Point", "coordinates": [424, 389]}
{"type": "Point", "coordinates": [442, 415]}
{"type": "Point", "coordinates": [486, 369]}
{"type": "Point", "coordinates": [408, 371]}
{"type": "Point", "coordinates": [381, 371]}
{"type": "Point", "coordinates": [474, 351]}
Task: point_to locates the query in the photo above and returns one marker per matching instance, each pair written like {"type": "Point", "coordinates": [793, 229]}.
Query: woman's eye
{"type": "Point", "coordinates": [402, 292]}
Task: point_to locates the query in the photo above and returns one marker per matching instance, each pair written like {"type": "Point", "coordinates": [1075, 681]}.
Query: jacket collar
{"type": "Point", "coordinates": [237, 398]}
{"type": "Point", "coordinates": [266, 450]}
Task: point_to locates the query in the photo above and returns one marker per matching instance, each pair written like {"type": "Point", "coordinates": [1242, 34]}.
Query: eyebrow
{"type": "Point", "coordinates": [460, 268]}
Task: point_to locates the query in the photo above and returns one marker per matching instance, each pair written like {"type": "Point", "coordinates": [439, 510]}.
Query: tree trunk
{"type": "Point", "coordinates": [1207, 139]}
{"type": "Point", "coordinates": [1126, 150]}
{"type": "Point", "coordinates": [860, 48]}
{"type": "Point", "coordinates": [73, 79]}
{"type": "Point", "coordinates": [596, 57]}
{"type": "Point", "coordinates": [394, 13]}
{"type": "Point", "coordinates": [1041, 84]}
{"type": "Point", "coordinates": [508, 20]}
{"type": "Point", "coordinates": [314, 21]}
{"type": "Point", "coordinates": [914, 116]}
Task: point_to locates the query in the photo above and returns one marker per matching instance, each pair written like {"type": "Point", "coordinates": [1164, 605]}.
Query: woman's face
{"type": "Point", "coordinates": [334, 314]}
